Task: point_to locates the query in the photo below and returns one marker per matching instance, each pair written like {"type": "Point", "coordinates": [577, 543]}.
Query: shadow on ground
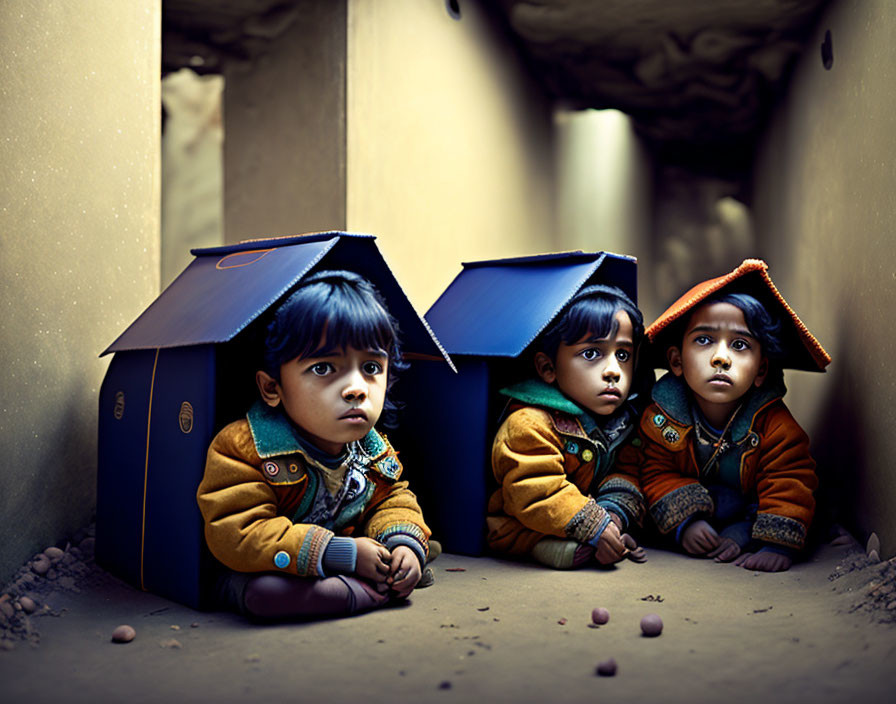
{"type": "Point", "coordinates": [487, 630]}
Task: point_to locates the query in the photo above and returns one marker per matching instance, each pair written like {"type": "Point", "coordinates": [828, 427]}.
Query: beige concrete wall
{"type": "Point", "coordinates": [284, 125]}
{"type": "Point", "coordinates": [79, 260]}
{"type": "Point", "coordinates": [825, 211]}
{"type": "Point", "coordinates": [449, 142]}
{"type": "Point", "coordinates": [604, 190]}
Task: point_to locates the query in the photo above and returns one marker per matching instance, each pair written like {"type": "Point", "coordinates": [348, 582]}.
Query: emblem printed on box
{"type": "Point", "coordinates": [118, 411]}
{"type": "Point", "coordinates": [185, 417]}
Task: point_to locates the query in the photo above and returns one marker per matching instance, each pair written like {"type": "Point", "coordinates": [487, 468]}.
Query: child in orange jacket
{"type": "Point", "coordinates": [724, 467]}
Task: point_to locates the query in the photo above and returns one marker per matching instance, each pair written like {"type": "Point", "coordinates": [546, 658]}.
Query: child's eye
{"type": "Point", "coordinates": [702, 340]}
{"type": "Point", "coordinates": [623, 355]}
{"type": "Point", "coordinates": [740, 345]}
{"type": "Point", "coordinates": [372, 368]}
{"type": "Point", "coordinates": [590, 354]}
{"type": "Point", "coordinates": [321, 368]}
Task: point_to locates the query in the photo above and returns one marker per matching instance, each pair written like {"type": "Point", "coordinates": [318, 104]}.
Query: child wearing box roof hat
{"type": "Point", "coordinates": [301, 499]}
{"type": "Point", "coordinates": [560, 501]}
{"type": "Point", "coordinates": [724, 467]}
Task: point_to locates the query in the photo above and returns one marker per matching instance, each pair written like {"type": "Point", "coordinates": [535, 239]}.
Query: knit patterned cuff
{"type": "Point", "coordinates": [309, 561]}
{"type": "Point", "coordinates": [340, 556]}
{"type": "Point", "coordinates": [779, 530]}
{"type": "Point", "coordinates": [409, 534]}
{"type": "Point", "coordinates": [679, 505]}
{"type": "Point", "coordinates": [588, 524]}
{"type": "Point", "coordinates": [624, 495]}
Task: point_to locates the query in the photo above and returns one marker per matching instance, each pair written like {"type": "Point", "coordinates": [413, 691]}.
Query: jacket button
{"type": "Point", "coordinates": [572, 448]}
{"type": "Point", "coordinates": [281, 560]}
{"type": "Point", "coordinates": [587, 455]}
{"type": "Point", "coordinates": [659, 419]}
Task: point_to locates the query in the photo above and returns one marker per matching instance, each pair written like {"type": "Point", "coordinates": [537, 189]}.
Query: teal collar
{"type": "Point", "coordinates": [536, 392]}
{"type": "Point", "coordinates": [275, 435]}
{"type": "Point", "coordinates": [675, 398]}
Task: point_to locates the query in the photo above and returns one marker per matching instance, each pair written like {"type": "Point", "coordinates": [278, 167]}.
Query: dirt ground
{"type": "Point", "coordinates": [487, 630]}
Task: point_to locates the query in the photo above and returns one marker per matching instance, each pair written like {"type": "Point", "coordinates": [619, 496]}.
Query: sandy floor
{"type": "Point", "coordinates": [486, 630]}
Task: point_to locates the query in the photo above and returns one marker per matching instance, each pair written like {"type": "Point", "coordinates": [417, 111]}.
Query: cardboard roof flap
{"type": "Point", "coordinates": [498, 307]}
{"type": "Point", "coordinates": [225, 288]}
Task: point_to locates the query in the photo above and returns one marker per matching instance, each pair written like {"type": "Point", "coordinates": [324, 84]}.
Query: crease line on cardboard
{"type": "Point", "coordinates": [152, 384]}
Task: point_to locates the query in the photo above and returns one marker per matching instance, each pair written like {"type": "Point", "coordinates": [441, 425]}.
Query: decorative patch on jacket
{"type": "Point", "coordinates": [373, 444]}
{"type": "Point", "coordinates": [664, 431]}
{"type": "Point", "coordinates": [780, 530]}
{"type": "Point", "coordinates": [680, 504]}
{"type": "Point", "coordinates": [584, 525]}
{"type": "Point", "coordinates": [284, 471]}
{"type": "Point", "coordinates": [389, 467]}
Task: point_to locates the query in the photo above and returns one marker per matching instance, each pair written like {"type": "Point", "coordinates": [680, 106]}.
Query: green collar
{"type": "Point", "coordinates": [536, 392]}
{"type": "Point", "coordinates": [675, 398]}
{"type": "Point", "coordinates": [275, 435]}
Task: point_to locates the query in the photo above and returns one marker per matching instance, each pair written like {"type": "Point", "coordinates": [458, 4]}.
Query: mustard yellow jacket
{"type": "Point", "coordinates": [555, 471]}
{"type": "Point", "coordinates": [266, 508]}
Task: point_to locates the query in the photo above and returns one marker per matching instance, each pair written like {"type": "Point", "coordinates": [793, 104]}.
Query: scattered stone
{"type": "Point", "coordinates": [562, 621]}
{"type": "Point", "coordinates": [171, 643]}
{"type": "Point", "coordinates": [41, 565]}
{"type": "Point", "coordinates": [873, 545]}
{"type": "Point", "coordinates": [123, 634]}
{"type": "Point", "coordinates": [175, 627]}
{"type": "Point", "coordinates": [607, 668]}
{"type": "Point", "coordinates": [651, 625]}
{"type": "Point", "coordinates": [195, 624]}
{"type": "Point", "coordinates": [873, 557]}
{"type": "Point", "coordinates": [445, 685]}
{"type": "Point", "coordinates": [6, 609]}
{"type": "Point", "coordinates": [54, 554]}
{"type": "Point", "coordinates": [28, 605]}
{"type": "Point", "coordinates": [600, 616]}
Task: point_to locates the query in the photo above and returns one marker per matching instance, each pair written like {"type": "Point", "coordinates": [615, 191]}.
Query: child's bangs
{"type": "Point", "coordinates": [350, 321]}
{"type": "Point", "coordinates": [596, 316]}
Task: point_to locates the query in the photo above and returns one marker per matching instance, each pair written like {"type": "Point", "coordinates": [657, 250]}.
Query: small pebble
{"type": "Point", "coordinates": [607, 668]}
{"type": "Point", "coordinates": [600, 616]}
{"type": "Point", "coordinates": [54, 554]}
{"type": "Point", "coordinates": [651, 625]}
{"type": "Point", "coordinates": [171, 643]}
{"type": "Point", "coordinates": [873, 545]}
{"type": "Point", "coordinates": [445, 685]}
{"type": "Point", "coordinates": [6, 609]}
{"type": "Point", "coordinates": [28, 605]}
{"type": "Point", "coordinates": [123, 634]}
{"type": "Point", "coordinates": [41, 565]}
{"type": "Point", "coordinates": [195, 624]}
{"type": "Point", "coordinates": [873, 556]}
{"type": "Point", "coordinates": [561, 621]}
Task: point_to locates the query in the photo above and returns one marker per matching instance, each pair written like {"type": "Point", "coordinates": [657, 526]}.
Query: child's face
{"type": "Point", "coordinates": [720, 359]}
{"type": "Point", "coordinates": [596, 375]}
{"type": "Point", "coordinates": [333, 399]}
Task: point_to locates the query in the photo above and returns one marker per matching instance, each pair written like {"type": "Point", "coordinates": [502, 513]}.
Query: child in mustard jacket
{"type": "Point", "coordinates": [559, 500]}
{"type": "Point", "coordinates": [723, 465]}
{"type": "Point", "coordinates": [302, 501]}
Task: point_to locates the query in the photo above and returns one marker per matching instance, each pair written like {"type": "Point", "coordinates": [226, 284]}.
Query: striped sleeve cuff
{"type": "Point", "coordinates": [340, 556]}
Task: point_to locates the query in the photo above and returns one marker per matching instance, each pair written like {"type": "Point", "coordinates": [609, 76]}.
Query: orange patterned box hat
{"type": "Point", "coordinates": [801, 349]}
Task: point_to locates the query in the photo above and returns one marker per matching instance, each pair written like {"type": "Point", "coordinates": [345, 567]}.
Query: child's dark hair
{"type": "Point", "coordinates": [763, 326]}
{"type": "Point", "coordinates": [333, 310]}
{"type": "Point", "coordinates": [592, 310]}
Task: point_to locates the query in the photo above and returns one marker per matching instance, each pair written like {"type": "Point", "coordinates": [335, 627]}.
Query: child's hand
{"type": "Point", "coordinates": [764, 561]}
{"type": "Point", "coordinates": [726, 551]}
{"type": "Point", "coordinates": [635, 552]}
{"type": "Point", "coordinates": [699, 538]}
{"type": "Point", "coordinates": [610, 547]}
{"type": "Point", "coordinates": [373, 562]}
{"type": "Point", "coordinates": [404, 572]}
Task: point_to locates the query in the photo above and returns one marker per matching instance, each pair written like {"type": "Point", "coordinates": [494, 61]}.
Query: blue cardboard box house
{"type": "Point", "coordinates": [183, 370]}
{"type": "Point", "coordinates": [486, 319]}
